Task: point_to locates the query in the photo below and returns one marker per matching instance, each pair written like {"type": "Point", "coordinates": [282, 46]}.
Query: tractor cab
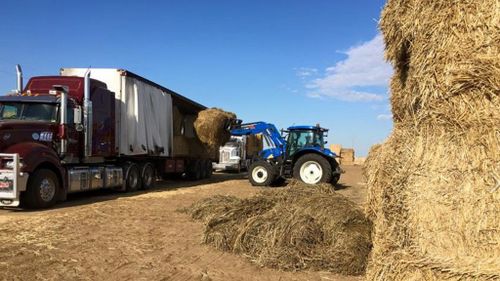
{"type": "Point", "coordinates": [305, 137]}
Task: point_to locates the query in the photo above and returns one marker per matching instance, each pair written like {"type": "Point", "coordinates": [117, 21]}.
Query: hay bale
{"type": "Point", "coordinates": [347, 156]}
{"type": "Point", "coordinates": [359, 160]}
{"type": "Point", "coordinates": [211, 126]}
{"type": "Point", "coordinates": [299, 227]}
{"type": "Point", "coordinates": [336, 148]}
{"type": "Point", "coordinates": [254, 145]}
{"type": "Point", "coordinates": [180, 146]}
{"type": "Point", "coordinates": [189, 147]}
{"type": "Point", "coordinates": [178, 119]}
{"type": "Point", "coordinates": [433, 185]}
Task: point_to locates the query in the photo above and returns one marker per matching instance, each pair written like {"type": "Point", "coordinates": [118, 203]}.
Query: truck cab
{"type": "Point", "coordinates": [233, 156]}
{"type": "Point", "coordinates": [41, 132]}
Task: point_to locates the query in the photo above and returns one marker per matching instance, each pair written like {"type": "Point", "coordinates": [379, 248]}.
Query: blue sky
{"type": "Point", "coordinates": [285, 62]}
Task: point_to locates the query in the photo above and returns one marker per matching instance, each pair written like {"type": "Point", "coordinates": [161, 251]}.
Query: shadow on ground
{"type": "Point", "coordinates": [101, 195]}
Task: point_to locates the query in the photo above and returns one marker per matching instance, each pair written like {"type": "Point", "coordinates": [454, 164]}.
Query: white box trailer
{"type": "Point", "coordinates": [143, 110]}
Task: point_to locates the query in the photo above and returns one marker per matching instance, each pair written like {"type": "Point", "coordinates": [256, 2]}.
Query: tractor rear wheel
{"type": "Point", "coordinates": [261, 173]}
{"type": "Point", "coordinates": [312, 169]}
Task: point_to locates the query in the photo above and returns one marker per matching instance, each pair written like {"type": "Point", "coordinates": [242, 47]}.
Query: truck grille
{"type": "Point", "coordinates": [225, 155]}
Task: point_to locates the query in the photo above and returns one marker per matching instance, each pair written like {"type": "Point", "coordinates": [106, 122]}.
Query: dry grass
{"type": "Point", "coordinates": [296, 228]}
{"type": "Point", "coordinates": [433, 185]}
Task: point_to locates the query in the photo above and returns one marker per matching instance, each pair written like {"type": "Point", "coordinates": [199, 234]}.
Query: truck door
{"type": "Point", "coordinates": [72, 135]}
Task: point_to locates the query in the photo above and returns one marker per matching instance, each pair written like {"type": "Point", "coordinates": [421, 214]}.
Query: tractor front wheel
{"type": "Point", "coordinates": [261, 173]}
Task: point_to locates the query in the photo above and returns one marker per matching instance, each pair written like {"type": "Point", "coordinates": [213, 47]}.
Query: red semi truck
{"type": "Point", "coordinates": [90, 129]}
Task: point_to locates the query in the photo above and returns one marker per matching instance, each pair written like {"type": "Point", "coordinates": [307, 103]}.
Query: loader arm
{"type": "Point", "coordinates": [256, 128]}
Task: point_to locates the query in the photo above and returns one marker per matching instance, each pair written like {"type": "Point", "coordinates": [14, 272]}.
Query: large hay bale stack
{"type": "Point", "coordinates": [300, 227]}
{"type": "Point", "coordinates": [211, 126]}
{"type": "Point", "coordinates": [433, 185]}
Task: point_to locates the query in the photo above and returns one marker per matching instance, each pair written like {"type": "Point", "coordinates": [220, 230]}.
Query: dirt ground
{"type": "Point", "coordinates": [139, 236]}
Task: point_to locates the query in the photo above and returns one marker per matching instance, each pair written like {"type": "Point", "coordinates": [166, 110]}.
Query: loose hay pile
{"type": "Point", "coordinates": [433, 185]}
{"type": "Point", "coordinates": [299, 227]}
{"type": "Point", "coordinates": [211, 126]}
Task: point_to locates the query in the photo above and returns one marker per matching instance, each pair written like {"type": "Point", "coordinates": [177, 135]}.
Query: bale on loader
{"type": "Point", "coordinates": [299, 227]}
{"type": "Point", "coordinates": [434, 194]}
{"type": "Point", "coordinates": [212, 125]}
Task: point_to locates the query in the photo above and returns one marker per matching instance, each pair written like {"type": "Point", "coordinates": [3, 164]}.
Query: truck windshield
{"type": "Point", "coordinates": [28, 111]}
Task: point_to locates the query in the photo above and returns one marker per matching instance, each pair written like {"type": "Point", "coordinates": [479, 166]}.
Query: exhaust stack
{"type": "Point", "coordinates": [19, 73]}
{"type": "Point", "coordinates": [87, 115]}
{"type": "Point", "coordinates": [63, 118]}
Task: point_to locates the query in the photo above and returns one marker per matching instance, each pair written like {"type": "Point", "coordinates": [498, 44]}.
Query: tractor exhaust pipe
{"type": "Point", "coordinates": [87, 115]}
{"type": "Point", "coordinates": [19, 73]}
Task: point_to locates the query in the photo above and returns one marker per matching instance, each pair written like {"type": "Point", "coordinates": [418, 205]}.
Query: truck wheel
{"type": "Point", "coordinates": [42, 189]}
{"type": "Point", "coordinates": [194, 171]}
{"type": "Point", "coordinates": [132, 178]}
{"type": "Point", "coordinates": [261, 173]}
{"type": "Point", "coordinates": [148, 176]}
{"type": "Point", "coordinates": [203, 168]}
{"type": "Point", "coordinates": [210, 169]}
{"type": "Point", "coordinates": [312, 169]}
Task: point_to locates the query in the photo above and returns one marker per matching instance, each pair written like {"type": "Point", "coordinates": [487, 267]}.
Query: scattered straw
{"type": "Point", "coordinates": [296, 228]}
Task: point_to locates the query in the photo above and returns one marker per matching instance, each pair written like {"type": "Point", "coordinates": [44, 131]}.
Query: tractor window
{"type": "Point", "coordinates": [301, 139]}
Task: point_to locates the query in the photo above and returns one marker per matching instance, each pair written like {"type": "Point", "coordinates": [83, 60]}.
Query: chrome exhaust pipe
{"type": "Point", "coordinates": [87, 115]}
{"type": "Point", "coordinates": [63, 118]}
{"type": "Point", "coordinates": [19, 73]}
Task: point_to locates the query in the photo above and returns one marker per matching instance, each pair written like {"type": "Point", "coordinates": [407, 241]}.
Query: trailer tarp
{"type": "Point", "coordinates": [143, 112]}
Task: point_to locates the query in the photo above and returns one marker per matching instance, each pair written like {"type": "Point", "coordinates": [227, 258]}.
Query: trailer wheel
{"type": "Point", "coordinates": [148, 176]}
{"type": "Point", "coordinates": [261, 173]}
{"type": "Point", "coordinates": [209, 168]}
{"type": "Point", "coordinates": [132, 178]}
{"type": "Point", "coordinates": [194, 171]}
{"type": "Point", "coordinates": [312, 169]}
{"type": "Point", "coordinates": [42, 189]}
{"type": "Point", "coordinates": [203, 168]}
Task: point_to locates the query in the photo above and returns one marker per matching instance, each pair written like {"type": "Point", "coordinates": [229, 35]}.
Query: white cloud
{"type": "Point", "coordinates": [384, 117]}
{"type": "Point", "coordinates": [364, 67]}
{"type": "Point", "coordinates": [305, 72]}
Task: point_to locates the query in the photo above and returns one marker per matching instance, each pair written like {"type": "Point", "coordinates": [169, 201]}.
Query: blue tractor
{"type": "Point", "coordinates": [298, 152]}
